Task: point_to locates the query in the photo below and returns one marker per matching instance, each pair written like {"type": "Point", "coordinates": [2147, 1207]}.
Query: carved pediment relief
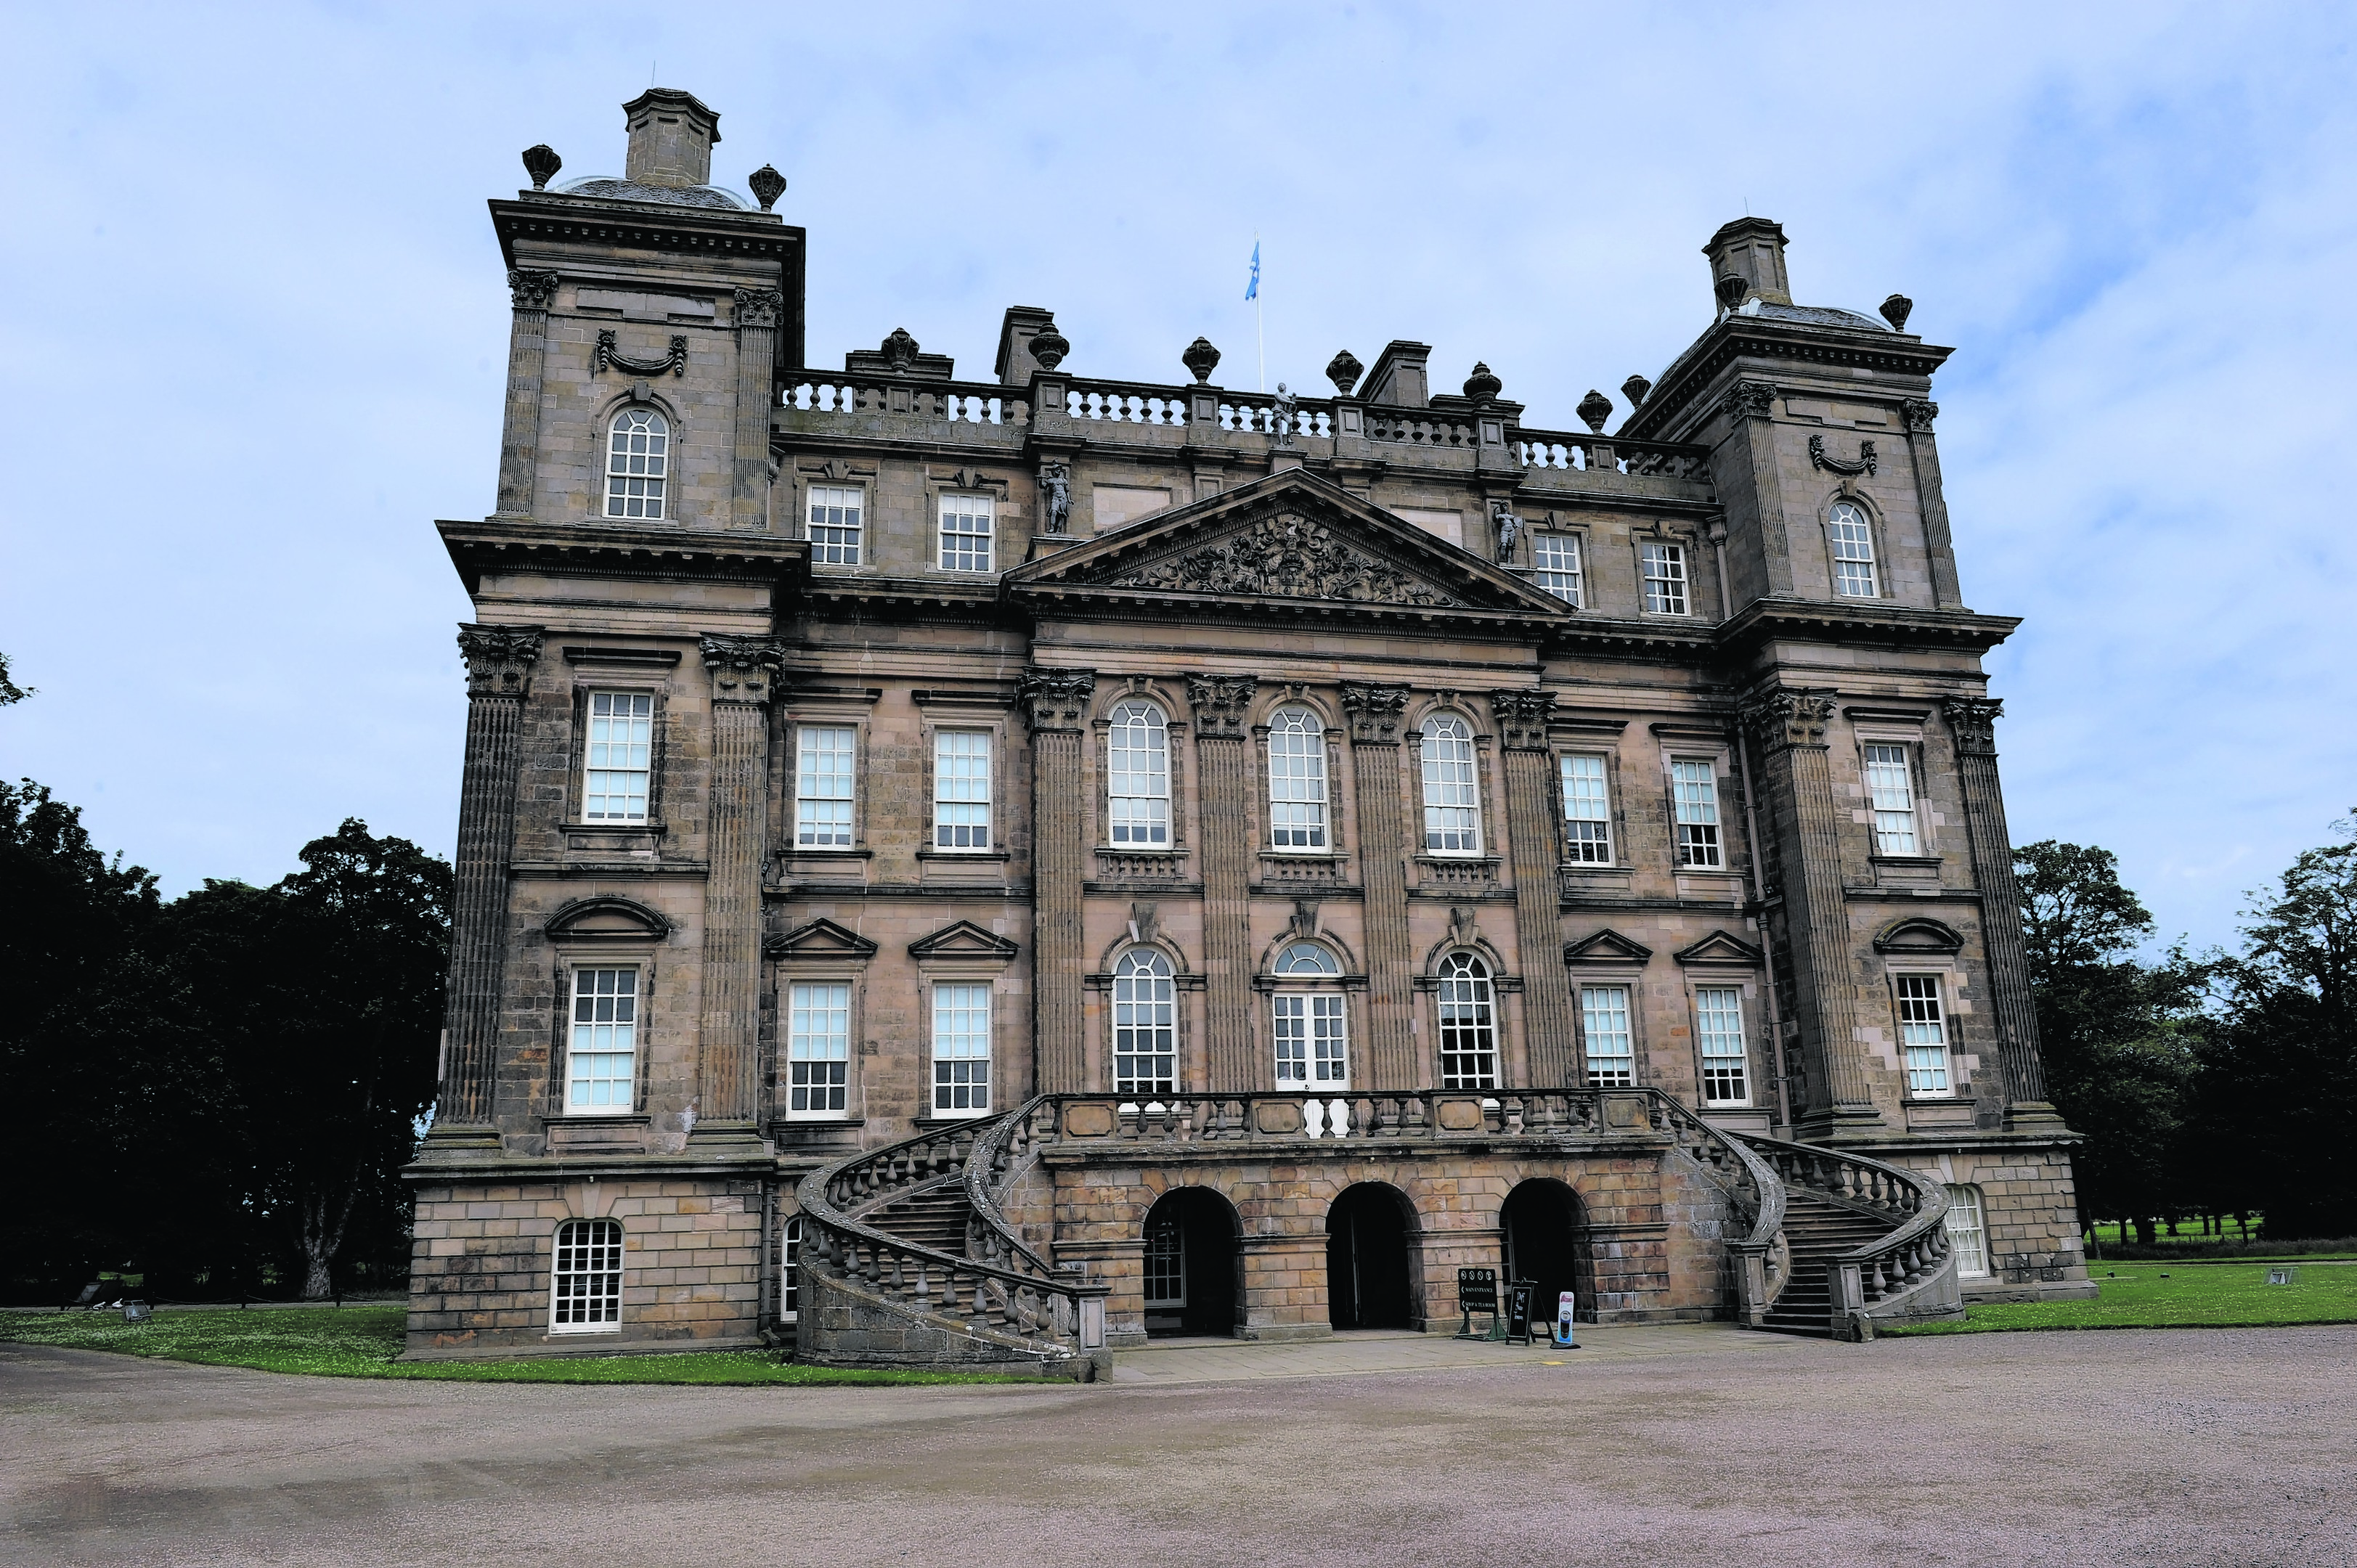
{"type": "Point", "coordinates": [962, 939]}
{"type": "Point", "coordinates": [1720, 948]}
{"type": "Point", "coordinates": [820, 938]}
{"type": "Point", "coordinates": [607, 917]}
{"type": "Point", "coordinates": [1919, 934]}
{"type": "Point", "coordinates": [1287, 557]}
{"type": "Point", "coordinates": [1607, 946]}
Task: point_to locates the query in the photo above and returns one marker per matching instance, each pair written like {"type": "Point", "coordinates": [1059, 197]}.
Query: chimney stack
{"type": "Point", "coordinates": [1752, 249]}
{"type": "Point", "coordinates": [672, 135]}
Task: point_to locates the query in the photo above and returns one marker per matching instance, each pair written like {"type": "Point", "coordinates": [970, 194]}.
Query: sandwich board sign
{"type": "Point", "coordinates": [1566, 1330]}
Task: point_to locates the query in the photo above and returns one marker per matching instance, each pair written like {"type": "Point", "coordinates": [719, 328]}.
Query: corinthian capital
{"type": "Point", "coordinates": [1521, 717]}
{"type": "Point", "coordinates": [1919, 412]}
{"type": "Point", "coordinates": [1056, 699]}
{"type": "Point", "coordinates": [744, 669]}
{"type": "Point", "coordinates": [1222, 702]}
{"type": "Point", "coordinates": [1786, 715]}
{"type": "Point", "coordinates": [1373, 711]}
{"type": "Point", "coordinates": [499, 659]}
{"type": "Point", "coordinates": [1974, 722]}
{"type": "Point", "coordinates": [531, 290]}
{"type": "Point", "coordinates": [759, 306]}
{"type": "Point", "coordinates": [1749, 399]}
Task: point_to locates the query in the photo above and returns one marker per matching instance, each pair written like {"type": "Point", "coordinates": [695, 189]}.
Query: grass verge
{"type": "Point", "coordinates": [361, 1342]}
{"type": "Point", "coordinates": [2161, 1296]}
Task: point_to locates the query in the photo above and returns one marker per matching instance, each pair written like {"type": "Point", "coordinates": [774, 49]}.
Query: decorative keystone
{"type": "Point", "coordinates": [542, 163]}
{"type": "Point", "coordinates": [1201, 359]}
{"type": "Point", "coordinates": [1634, 389]}
{"type": "Point", "coordinates": [1896, 309]}
{"type": "Point", "coordinates": [1344, 370]}
{"type": "Point", "coordinates": [767, 185]}
{"type": "Point", "coordinates": [1051, 346]}
{"type": "Point", "coordinates": [1595, 409]}
{"type": "Point", "coordinates": [1481, 386]}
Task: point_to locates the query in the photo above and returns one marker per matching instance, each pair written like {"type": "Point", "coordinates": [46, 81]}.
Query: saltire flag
{"type": "Point", "coordinates": [1251, 290]}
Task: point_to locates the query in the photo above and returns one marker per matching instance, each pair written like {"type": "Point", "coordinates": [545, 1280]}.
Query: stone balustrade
{"type": "Point", "coordinates": [974, 403]}
{"type": "Point", "coordinates": [1557, 449]}
{"type": "Point", "coordinates": [1909, 1273]}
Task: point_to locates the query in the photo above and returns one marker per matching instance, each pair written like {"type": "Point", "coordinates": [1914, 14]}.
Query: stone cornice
{"type": "Point", "coordinates": [592, 550]}
{"type": "Point", "coordinates": [1853, 621]}
{"type": "Point", "coordinates": [1736, 337]}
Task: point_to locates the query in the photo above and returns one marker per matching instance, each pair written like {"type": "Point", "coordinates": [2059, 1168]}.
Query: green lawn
{"type": "Point", "coordinates": [361, 1342]}
{"type": "Point", "coordinates": [2174, 1295]}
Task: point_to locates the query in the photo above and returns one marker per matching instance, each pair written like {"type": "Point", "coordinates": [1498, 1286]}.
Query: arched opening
{"type": "Point", "coordinates": [1545, 1234]}
{"type": "Point", "coordinates": [1367, 1258]}
{"type": "Point", "coordinates": [1192, 1264]}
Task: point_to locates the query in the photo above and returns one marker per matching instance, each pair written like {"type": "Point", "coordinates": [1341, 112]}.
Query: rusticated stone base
{"type": "Point", "coordinates": [843, 1326]}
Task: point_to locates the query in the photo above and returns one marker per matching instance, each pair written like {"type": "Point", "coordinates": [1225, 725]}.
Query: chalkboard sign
{"type": "Point", "coordinates": [1477, 1291]}
{"type": "Point", "coordinates": [1518, 1309]}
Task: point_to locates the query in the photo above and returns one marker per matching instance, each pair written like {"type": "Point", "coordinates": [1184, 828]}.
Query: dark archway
{"type": "Point", "coordinates": [1546, 1231]}
{"type": "Point", "coordinates": [1367, 1258]}
{"type": "Point", "coordinates": [1191, 1264]}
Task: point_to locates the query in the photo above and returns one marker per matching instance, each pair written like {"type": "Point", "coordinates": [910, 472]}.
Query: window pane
{"type": "Point", "coordinates": [1665, 578]}
{"type": "Point", "coordinates": [818, 1048]}
{"type": "Point", "coordinates": [1587, 814]}
{"type": "Point", "coordinates": [601, 1064]}
{"type": "Point", "coordinates": [823, 787]}
{"type": "Point", "coordinates": [1306, 958]}
{"type": "Point", "coordinates": [790, 1273]}
{"type": "Point", "coordinates": [1924, 1036]}
{"type": "Point", "coordinates": [1695, 789]}
{"type": "Point", "coordinates": [1892, 789]}
{"type": "Point", "coordinates": [1718, 1029]}
{"type": "Point", "coordinates": [638, 459]}
{"type": "Point", "coordinates": [1145, 1026]}
{"type": "Point", "coordinates": [618, 758]}
{"type": "Point", "coordinates": [1312, 1044]}
{"type": "Point", "coordinates": [1296, 781]}
{"type": "Point", "coordinates": [1611, 1050]}
{"type": "Point", "coordinates": [1555, 558]}
{"type": "Point", "coordinates": [1137, 776]}
{"type": "Point", "coordinates": [965, 534]}
{"type": "Point", "coordinates": [961, 790]}
{"type": "Point", "coordinates": [1452, 814]}
{"type": "Point", "coordinates": [1165, 1262]}
{"type": "Point", "coordinates": [586, 1287]}
{"type": "Point", "coordinates": [961, 1048]}
{"type": "Point", "coordinates": [834, 524]}
{"type": "Point", "coordinates": [1853, 550]}
{"type": "Point", "coordinates": [1968, 1231]}
{"type": "Point", "coordinates": [1469, 1025]}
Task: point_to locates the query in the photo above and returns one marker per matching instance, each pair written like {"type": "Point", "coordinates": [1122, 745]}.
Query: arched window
{"type": "Point", "coordinates": [1145, 1025]}
{"type": "Point", "coordinates": [1313, 1047]}
{"type": "Point", "coordinates": [1137, 777]}
{"type": "Point", "coordinates": [638, 462]}
{"type": "Point", "coordinates": [1469, 1024]}
{"type": "Point", "coordinates": [1296, 781]}
{"type": "Point", "coordinates": [1968, 1223]}
{"type": "Point", "coordinates": [1852, 541]}
{"type": "Point", "coordinates": [1452, 803]}
{"type": "Point", "coordinates": [585, 1295]}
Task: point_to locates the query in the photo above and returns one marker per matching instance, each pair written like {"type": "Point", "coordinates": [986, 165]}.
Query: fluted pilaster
{"type": "Point", "coordinates": [757, 310]}
{"type": "Point", "coordinates": [1222, 706]}
{"type": "Point", "coordinates": [1056, 704]}
{"type": "Point", "coordinates": [1373, 714]}
{"type": "Point", "coordinates": [533, 293]}
{"type": "Point", "coordinates": [1522, 718]}
{"type": "Point", "coordinates": [744, 673]}
{"type": "Point", "coordinates": [1973, 721]}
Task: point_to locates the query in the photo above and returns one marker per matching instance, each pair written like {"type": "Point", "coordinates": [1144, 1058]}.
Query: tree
{"type": "Point", "coordinates": [11, 692]}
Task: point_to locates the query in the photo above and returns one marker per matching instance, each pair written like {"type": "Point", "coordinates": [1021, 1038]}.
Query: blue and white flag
{"type": "Point", "coordinates": [1251, 290]}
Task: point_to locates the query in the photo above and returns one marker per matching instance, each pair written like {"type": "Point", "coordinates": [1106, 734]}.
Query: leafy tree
{"type": "Point", "coordinates": [11, 692]}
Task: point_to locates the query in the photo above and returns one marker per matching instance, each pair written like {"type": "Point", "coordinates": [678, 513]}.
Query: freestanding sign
{"type": "Point", "coordinates": [1566, 1328]}
{"type": "Point", "coordinates": [1477, 1291]}
{"type": "Point", "coordinates": [1519, 1311]}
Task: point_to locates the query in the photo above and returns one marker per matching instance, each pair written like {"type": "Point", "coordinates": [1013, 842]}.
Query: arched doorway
{"type": "Point", "coordinates": [1190, 1263]}
{"type": "Point", "coordinates": [1545, 1232]}
{"type": "Point", "coordinates": [1366, 1258]}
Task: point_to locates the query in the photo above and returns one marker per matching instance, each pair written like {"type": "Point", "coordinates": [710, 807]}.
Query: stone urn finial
{"type": "Point", "coordinates": [1896, 309]}
{"type": "Point", "coordinates": [1481, 386]}
{"type": "Point", "coordinates": [1634, 389]}
{"type": "Point", "coordinates": [901, 351]}
{"type": "Point", "coordinates": [767, 185]}
{"type": "Point", "coordinates": [542, 163]}
{"type": "Point", "coordinates": [1344, 370]}
{"type": "Point", "coordinates": [1201, 359]}
{"type": "Point", "coordinates": [1049, 345]}
{"type": "Point", "coordinates": [1730, 291]}
{"type": "Point", "coordinates": [1595, 409]}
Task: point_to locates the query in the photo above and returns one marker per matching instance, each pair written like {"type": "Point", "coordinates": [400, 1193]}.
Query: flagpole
{"type": "Point", "coordinates": [1260, 338]}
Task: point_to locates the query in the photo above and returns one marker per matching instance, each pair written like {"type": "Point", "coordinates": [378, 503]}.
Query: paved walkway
{"type": "Point", "coordinates": [1209, 1360]}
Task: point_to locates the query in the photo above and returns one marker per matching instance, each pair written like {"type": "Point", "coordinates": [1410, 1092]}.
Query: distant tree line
{"type": "Point", "coordinates": [216, 1092]}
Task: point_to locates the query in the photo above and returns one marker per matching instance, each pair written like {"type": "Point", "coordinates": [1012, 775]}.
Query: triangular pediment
{"type": "Point", "coordinates": [1292, 539]}
{"type": "Point", "coordinates": [821, 937]}
{"type": "Point", "coordinates": [962, 939]}
{"type": "Point", "coordinates": [1720, 948]}
{"type": "Point", "coordinates": [1607, 946]}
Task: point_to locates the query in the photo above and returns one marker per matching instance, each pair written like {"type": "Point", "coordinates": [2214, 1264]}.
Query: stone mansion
{"type": "Point", "coordinates": [984, 871]}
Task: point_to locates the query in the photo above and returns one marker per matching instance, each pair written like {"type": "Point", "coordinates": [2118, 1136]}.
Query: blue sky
{"type": "Point", "coordinates": [257, 325]}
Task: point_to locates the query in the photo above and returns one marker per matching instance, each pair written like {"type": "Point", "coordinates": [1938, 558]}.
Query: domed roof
{"type": "Point", "coordinates": [604, 188]}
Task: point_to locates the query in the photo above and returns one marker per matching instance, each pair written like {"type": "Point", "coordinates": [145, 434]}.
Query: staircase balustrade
{"type": "Point", "coordinates": [1909, 1272]}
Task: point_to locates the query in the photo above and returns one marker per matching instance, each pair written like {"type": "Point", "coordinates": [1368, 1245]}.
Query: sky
{"type": "Point", "coordinates": [257, 320]}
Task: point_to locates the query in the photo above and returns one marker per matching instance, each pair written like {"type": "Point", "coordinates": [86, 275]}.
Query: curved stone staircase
{"type": "Point", "coordinates": [1867, 1242]}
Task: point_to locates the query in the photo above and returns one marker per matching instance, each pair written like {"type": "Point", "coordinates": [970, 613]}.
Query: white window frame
{"type": "Point", "coordinates": [1723, 1055]}
{"type": "Point", "coordinates": [818, 1049]}
{"type": "Point", "coordinates": [1695, 811]}
{"type": "Point", "coordinates": [1924, 1045]}
{"type": "Point", "coordinates": [605, 1015]}
{"type": "Point", "coordinates": [1887, 768]}
{"type": "Point", "coordinates": [960, 1071]}
{"type": "Point", "coordinates": [1563, 577]}
{"type": "Point", "coordinates": [968, 551]}
{"type": "Point", "coordinates": [835, 525]}
{"type": "Point", "coordinates": [961, 796]}
{"type": "Point", "coordinates": [638, 465]}
{"type": "Point", "coordinates": [1137, 776]}
{"type": "Point", "coordinates": [1967, 1225]}
{"type": "Point", "coordinates": [1144, 1024]}
{"type": "Point", "coordinates": [1466, 1000]}
{"type": "Point", "coordinates": [1661, 566]}
{"type": "Point", "coordinates": [1309, 1022]}
{"type": "Point", "coordinates": [1165, 1265]}
{"type": "Point", "coordinates": [1298, 803]}
{"type": "Point", "coordinates": [790, 1270]}
{"type": "Point", "coordinates": [586, 1297]}
{"type": "Point", "coordinates": [1586, 813]}
{"type": "Point", "coordinates": [1452, 804]}
{"type": "Point", "coordinates": [609, 775]}
{"type": "Point", "coordinates": [1608, 1034]}
{"type": "Point", "coordinates": [1850, 542]}
{"type": "Point", "coordinates": [826, 786]}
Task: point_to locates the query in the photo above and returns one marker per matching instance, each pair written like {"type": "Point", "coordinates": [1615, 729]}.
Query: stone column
{"type": "Point", "coordinates": [757, 310]}
{"type": "Point", "coordinates": [744, 673]}
{"type": "Point", "coordinates": [499, 661]}
{"type": "Point", "coordinates": [1522, 718]}
{"type": "Point", "coordinates": [1932, 502]}
{"type": "Point", "coordinates": [1375, 716]}
{"type": "Point", "coordinates": [1973, 721]}
{"type": "Point", "coordinates": [533, 293]}
{"type": "Point", "coordinates": [1789, 726]}
{"type": "Point", "coordinates": [1055, 706]}
{"type": "Point", "coordinates": [1223, 705]}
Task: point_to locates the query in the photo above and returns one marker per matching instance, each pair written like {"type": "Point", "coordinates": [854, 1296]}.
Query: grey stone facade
{"type": "Point", "coordinates": [1362, 572]}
